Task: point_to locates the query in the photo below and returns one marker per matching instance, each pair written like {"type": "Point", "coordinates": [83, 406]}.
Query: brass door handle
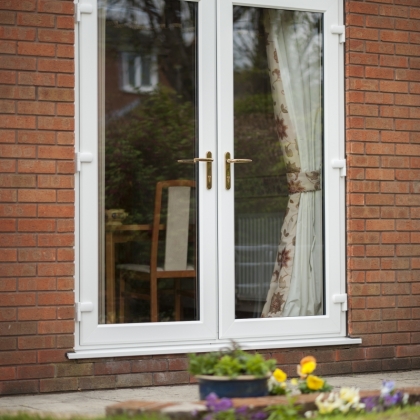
{"type": "Point", "coordinates": [238, 160]}
{"type": "Point", "coordinates": [208, 160]}
{"type": "Point", "coordinates": [228, 161]}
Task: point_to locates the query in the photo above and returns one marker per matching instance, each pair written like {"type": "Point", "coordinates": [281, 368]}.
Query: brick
{"type": "Point", "coordinates": [395, 338]}
{"type": "Point", "coordinates": [396, 313]}
{"type": "Point", "coordinates": [19, 387]}
{"type": "Point", "coordinates": [56, 94]}
{"type": "Point", "coordinates": [7, 18]}
{"type": "Point", "coordinates": [22, 34]}
{"type": "Point", "coordinates": [380, 251]}
{"type": "Point", "coordinates": [36, 196]}
{"type": "Point", "coordinates": [55, 123]}
{"type": "Point", "coordinates": [8, 196]}
{"type": "Point", "coordinates": [364, 212]}
{"type": "Point", "coordinates": [360, 33]}
{"type": "Point", "coordinates": [35, 19]}
{"type": "Point", "coordinates": [17, 240]}
{"type": "Point", "coordinates": [65, 138]}
{"type": "Point", "coordinates": [41, 50]}
{"type": "Point", "coordinates": [8, 255]}
{"type": "Point", "coordinates": [36, 342]}
{"type": "Point", "coordinates": [7, 107]}
{"type": "Point", "coordinates": [65, 283]}
{"type": "Point", "coordinates": [392, 61]}
{"type": "Point", "coordinates": [75, 369]}
{"type": "Point", "coordinates": [363, 8]}
{"type": "Point", "coordinates": [65, 254]}
{"type": "Point", "coordinates": [55, 327]}
{"type": "Point", "coordinates": [54, 210]}
{"type": "Point", "coordinates": [12, 121]}
{"type": "Point", "coordinates": [364, 263]}
{"type": "Point", "coordinates": [111, 368]}
{"type": "Point", "coordinates": [17, 358]}
{"type": "Point", "coordinates": [379, 22]}
{"type": "Point", "coordinates": [17, 270]}
{"type": "Point", "coordinates": [56, 240]}
{"type": "Point", "coordinates": [97, 382]}
{"type": "Point", "coordinates": [36, 254]}
{"type": "Point", "coordinates": [394, 36]}
{"type": "Point", "coordinates": [36, 108]}
{"type": "Point", "coordinates": [363, 366]}
{"type": "Point", "coordinates": [56, 36]}
{"type": "Point", "coordinates": [364, 85]}
{"type": "Point", "coordinates": [379, 48]}
{"type": "Point", "coordinates": [7, 136]}
{"type": "Point", "coordinates": [58, 7]}
{"type": "Point", "coordinates": [6, 315]}
{"type": "Point", "coordinates": [7, 285]}
{"type": "Point", "coordinates": [54, 65]}
{"type": "Point", "coordinates": [55, 298]}
{"type": "Point", "coordinates": [17, 328]}
{"type": "Point", "coordinates": [56, 269]}
{"type": "Point", "coordinates": [363, 238]}
{"type": "Point", "coordinates": [134, 380]}
{"type": "Point", "coordinates": [17, 63]}
{"type": "Point", "coordinates": [52, 356]}
{"type": "Point", "coordinates": [58, 384]}
{"type": "Point", "coordinates": [380, 276]}
{"type": "Point", "coordinates": [7, 165]}
{"type": "Point", "coordinates": [395, 264]}
{"type": "Point", "coordinates": [24, 5]}
{"type": "Point", "coordinates": [65, 110]}
{"type": "Point", "coordinates": [168, 378]}
{"type": "Point", "coordinates": [393, 136]}
{"type": "Point", "coordinates": [65, 22]}
{"type": "Point", "coordinates": [395, 187]}
{"type": "Point", "coordinates": [33, 225]}
{"type": "Point", "coordinates": [7, 225]}
{"type": "Point", "coordinates": [36, 79]}
{"type": "Point", "coordinates": [65, 80]}
{"type": "Point", "coordinates": [373, 327]}
{"type": "Point", "coordinates": [365, 315]}
{"type": "Point", "coordinates": [37, 166]}
{"type": "Point", "coordinates": [65, 196]}
{"type": "Point", "coordinates": [38, 283]}
{"type": "Point", "coordinates": [7, 373]}
{"type": "Point", "coordinates": [32, 372]}
{"type": "Point", "coordinates": [57, 181]}
{"type": "Point", "coordinates": [65, 341]}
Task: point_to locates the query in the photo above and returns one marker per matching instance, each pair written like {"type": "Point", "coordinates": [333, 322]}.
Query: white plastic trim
{"type": "Point", "coordinates": [203, 347]}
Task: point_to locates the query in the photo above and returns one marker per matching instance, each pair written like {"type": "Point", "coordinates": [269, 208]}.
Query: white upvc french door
{"type": "Point", "coordinates": [233, 277]}
{"type": "Point", "coordinates": [91, 331]}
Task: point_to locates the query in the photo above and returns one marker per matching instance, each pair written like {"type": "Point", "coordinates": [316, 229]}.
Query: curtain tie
{"type": "Point", "coordinates": [303, 181]}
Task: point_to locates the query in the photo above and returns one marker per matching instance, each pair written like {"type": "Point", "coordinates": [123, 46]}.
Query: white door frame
{"type": "Point", "coordinates": [214, 329]}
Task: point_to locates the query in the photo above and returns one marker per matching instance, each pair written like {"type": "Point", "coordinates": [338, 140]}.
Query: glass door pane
{"type": "Point", "coordinates": [278, 198]}
{"type": "Point", "coordinates": [147, 200]}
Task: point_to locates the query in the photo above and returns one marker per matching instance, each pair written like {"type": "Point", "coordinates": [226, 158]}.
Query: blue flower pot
{"type": "Point", "coordinates": [240, 387]}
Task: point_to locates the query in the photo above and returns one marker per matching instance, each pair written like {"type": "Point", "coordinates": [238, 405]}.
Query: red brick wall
{"type": "Point", "coordinates": [36, 190]}
{"type": "Point", "coordinates": [383, 184]}
{"type": "Point", "coordinates": [37, 197]}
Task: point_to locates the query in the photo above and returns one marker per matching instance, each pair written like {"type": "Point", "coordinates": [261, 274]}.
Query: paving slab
{"type": "Point", "coordinates": [94, 403]}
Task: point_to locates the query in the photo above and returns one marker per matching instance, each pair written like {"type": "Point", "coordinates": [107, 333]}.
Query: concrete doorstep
{"type": "Point", "coordinates": [94, 403]}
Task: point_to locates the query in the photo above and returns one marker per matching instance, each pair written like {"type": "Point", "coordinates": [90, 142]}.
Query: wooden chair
{"type": "Point", "coordinates": [176, 249]}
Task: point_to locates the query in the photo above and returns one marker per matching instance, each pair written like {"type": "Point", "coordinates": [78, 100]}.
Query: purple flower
{"type": "Point", "coordinates": [223, 404]}
{"type": "Point", "coordinates": [211, 401]}
{"type": "Point", "coordinates": [215, 404]}
{"type": "Point", "coordinates": [370, 403]}
{"type": "Point", "coordinates": [259, 415]}
{"type": "Point", "coordinates": [241, 410]}
{"type": "Point", "coordinates": [387, 388]}
{"type": "Point", "coordinates": [390, 400]}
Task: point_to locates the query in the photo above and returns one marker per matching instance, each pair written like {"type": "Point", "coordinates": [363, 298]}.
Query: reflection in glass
{"type": "Point", "coordinates": [147, 84]}
{"type": "Point", "coordinates": [278, 198]}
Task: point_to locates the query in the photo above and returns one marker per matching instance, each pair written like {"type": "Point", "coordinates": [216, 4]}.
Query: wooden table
{"type": "Point", "coordinates": [117, 234]}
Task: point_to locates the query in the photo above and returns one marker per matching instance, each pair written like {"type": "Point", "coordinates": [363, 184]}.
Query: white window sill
{"type": "Point", "coordinates": [80, 353]}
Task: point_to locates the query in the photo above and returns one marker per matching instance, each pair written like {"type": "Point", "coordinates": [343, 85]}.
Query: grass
{"type": "Point", "coordinates": [407, 413]}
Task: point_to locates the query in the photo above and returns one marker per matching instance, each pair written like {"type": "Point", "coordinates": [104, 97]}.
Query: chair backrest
{"type": "Point", "coordinates": [177, 224]}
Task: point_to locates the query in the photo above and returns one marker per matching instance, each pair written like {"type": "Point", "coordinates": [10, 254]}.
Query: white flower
{"type": "Point", "coordinates": [350, 395]}
{"type": "Point", "coordinates": [405, 398]}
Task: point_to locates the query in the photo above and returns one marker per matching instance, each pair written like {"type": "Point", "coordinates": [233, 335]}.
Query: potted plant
{"type": "Point", "coordinates": [231, 373]}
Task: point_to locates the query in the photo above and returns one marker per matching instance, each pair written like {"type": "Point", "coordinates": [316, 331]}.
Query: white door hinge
{"type": "Point", "coordinates": [340, 164]}
{"type": "Point", "coordinates": [83, 307]}
{"type": "Point", "coordinates": [339, 30]}
{"type": "Point", "coordinates": [342, 298]}
{"type": "Point", "coordinates": [82, 8]}
{"type": "Point", "coordinates": [83, 157]}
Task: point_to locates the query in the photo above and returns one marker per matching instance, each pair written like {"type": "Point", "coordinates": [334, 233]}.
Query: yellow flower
{"type": "Point", "coordinates": [279, 375]}
{"type": "Point", "coordinates": [294, 382]}
{"type": "Point", "coordinates": [314, 382]}
{"type": "Point", "coordinates": [307, 365]}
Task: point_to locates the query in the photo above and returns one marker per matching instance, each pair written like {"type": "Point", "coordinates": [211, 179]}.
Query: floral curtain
{"type": "Point", "coordinates": [294, 48]}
